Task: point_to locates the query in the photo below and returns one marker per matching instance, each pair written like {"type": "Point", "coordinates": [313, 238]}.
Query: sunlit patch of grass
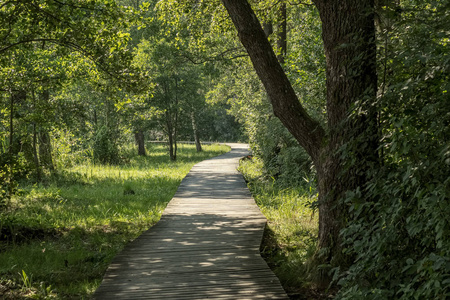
{"type": "Point", "coordinates": [290, 238]}
{"type": "Point", "coordinates": [63, 233]}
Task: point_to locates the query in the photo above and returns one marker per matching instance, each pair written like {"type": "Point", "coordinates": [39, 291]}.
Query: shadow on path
{"type": "Point", "coordinates": [206, 245]}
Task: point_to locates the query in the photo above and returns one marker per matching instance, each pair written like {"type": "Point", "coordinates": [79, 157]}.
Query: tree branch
{"type": "Point", "coordinates": [214, 58]}
{"type": "Point", "coordinates": [286, 105]}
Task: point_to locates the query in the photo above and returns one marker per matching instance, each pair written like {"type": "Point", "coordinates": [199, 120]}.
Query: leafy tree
{"type": "Point", "coordinates": [349, 42]}
{"type": "Point", "coordinates": [37, 41]}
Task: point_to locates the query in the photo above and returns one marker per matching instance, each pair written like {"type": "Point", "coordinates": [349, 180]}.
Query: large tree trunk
{"type": "Point", "coordinates": [348, 32]}
{"type": "Point", "coordinates": [349, 40]}
{"type": "Point", "coordinates": [140, 142]}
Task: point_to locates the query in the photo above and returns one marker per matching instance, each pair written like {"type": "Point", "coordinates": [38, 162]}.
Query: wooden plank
{"type": "Point", "coordinates": [206, 245]}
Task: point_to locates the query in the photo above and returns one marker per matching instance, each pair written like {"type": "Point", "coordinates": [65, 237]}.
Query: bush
{"type": "Point", "coordinates": [283, 159]}
{"type": "Point", "coordinates": [105, 149]}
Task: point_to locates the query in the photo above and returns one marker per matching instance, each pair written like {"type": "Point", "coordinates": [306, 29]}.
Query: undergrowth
{"type": "Point", "coordinates": [290, 238]}
{"type": "Point", "coordinates": [58, 236]}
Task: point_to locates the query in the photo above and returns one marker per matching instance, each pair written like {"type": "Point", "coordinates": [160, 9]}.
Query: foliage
{"type": "Point", "coordinates": [399, 233]}
{"type": "Point", "coordinates": [63, 233]}
{"type": "Point", "coordinates": [93, 28]}
{"type": "Point", "coordinates": [290, 238]}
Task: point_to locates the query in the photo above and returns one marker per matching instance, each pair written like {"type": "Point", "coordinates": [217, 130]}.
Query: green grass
{"type": "Point", "coordinates": [290, 238]}
{"type": "Point", "coordinates": [59, 236]}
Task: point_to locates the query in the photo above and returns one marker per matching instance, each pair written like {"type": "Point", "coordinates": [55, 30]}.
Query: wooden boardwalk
{"type": "Point", "coordinates": [206, 245]}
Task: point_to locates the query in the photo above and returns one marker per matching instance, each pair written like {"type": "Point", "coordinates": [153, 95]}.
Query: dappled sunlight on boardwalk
{"type": "Point", "coordinates": [206, 245]}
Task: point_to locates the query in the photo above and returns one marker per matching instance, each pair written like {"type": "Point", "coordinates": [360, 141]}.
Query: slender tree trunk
{"type": "Point", "coordinates": [170, 135]}
{"type": "Point", "coordinates": [45, 146]}
{"type": "Point", "coordinates": [349, 42]}
{"type": "Point", "coordinates": [10, 174]}
{"type": "Point", "coordinates": [35, 152]}
{"type": "Point", "coordinates": [37, 165]}
{"type": "Point", "coordinates": [175, 146]}
{"type": "Point", "coordinates": [175, 132]}
{"type": "Point", "coordinates": [15, 97]}
{"type": "Point", "coordinates": [45, 150]}
{"type": "Point", "coordinates": [140, 142]}
{"type": "Point", "coordinates": [198, 145]}
{"type": "Point", "coordinates": [95, 117]}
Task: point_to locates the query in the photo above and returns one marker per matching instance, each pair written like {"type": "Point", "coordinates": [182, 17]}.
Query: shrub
{"type": "Point", "coordinates": [105, 149]}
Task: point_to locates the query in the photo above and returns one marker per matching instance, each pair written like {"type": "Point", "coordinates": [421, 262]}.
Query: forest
{"type": "Point", "coordinates": [344, 103]}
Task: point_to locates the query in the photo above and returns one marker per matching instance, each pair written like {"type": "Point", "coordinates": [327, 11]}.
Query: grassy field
{"type": "Point", "coordinates": [59, 236]}
{"type": "Point", "coordinates": [290, 238]}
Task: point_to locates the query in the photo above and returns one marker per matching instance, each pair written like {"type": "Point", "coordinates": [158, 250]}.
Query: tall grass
{"type": "Point", "coordinates": [290, 238]}
{"type": "Point", "coordinates": [60, 235]}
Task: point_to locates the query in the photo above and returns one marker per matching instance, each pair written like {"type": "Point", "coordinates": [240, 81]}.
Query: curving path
{"type": "Point", "coordinates": [206, 245]}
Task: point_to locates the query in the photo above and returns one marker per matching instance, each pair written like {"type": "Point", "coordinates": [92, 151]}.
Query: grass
{"type": "Point", "coordinates": [290, 238]}
{"type": "Point", "coordinates": [59, 236]}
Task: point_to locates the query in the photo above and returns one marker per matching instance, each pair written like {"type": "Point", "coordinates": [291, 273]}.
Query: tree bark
{"type": "Point", "coordinates": [349, 42]}
{"type": "Point", "coordinates": [348, 33]}
{"type": "Point", "coordinates": [140, 142]}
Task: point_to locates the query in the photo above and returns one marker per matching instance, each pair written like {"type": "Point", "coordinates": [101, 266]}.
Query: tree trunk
{"type": "Point", "coordinates": [95, 117]}
{"type": "Point", "coordinates": [198, 145]}
{"type": "Point", "coordinates": [10, 170]}
{"type": "Point", "coordinates": [45, 150]}
{"type": "Point", "coordinates": [175, 129]}
{"type": "Point", "coordinates": [45, 146]}
{"type": "Point", "coordinates": [348, 33]}
{"type": "Point", "coordinates": [35, 153]}
{"type": "Point", "coordinates": [37, 164]}
{"type": "Point", "coordinates": [349, 42]}
{"type": "Point", "coordinates": [175, 147]}
{"type": "Point", "coordinates": [140, 142]}
{"type": "Point", "coordinates": [170, 135]}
